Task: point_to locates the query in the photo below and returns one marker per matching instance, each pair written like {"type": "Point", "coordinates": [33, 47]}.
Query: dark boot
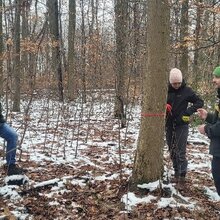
{"type": "Point", "coordinates": [182, 180]}
{"type": "Point", "coordinates": [13, 169]}
{"type": "Point", "coordinates": [175, 178]}
{"type": "Point", "coordinates": [181, 184]}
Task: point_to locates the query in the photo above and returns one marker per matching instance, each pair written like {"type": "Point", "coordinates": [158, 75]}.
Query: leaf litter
{"type": "Point", "coordinates": [75, 170]}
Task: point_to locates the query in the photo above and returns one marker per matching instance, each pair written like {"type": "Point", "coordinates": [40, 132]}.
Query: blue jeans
{"type": "Point", "coordinates": [11, 137]}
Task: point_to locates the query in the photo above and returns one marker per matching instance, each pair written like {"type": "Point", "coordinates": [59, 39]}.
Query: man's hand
{"type": "Point", "coordinates": [168, 108]}
{"type": "Point", "coordinates": [202, 113]}
{"type": "Point", "coordinates": [201, 129]}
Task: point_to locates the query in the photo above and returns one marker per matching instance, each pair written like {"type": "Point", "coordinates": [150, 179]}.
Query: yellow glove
{"type": "Point", "coordinates": [217, 107]}
{"type": "Point", "coordinates": [185, 118]}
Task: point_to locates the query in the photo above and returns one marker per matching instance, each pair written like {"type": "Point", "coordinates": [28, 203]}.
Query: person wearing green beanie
{"type": "Point", "coordinates": [216, 71]}
{"type": "Point", "coordinates": [212, 129]}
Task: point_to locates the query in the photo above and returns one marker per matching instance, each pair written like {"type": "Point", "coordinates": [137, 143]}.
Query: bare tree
{"type": "Point", "coordinates": [25, 34]}
{"type": "Point", "coordinates": [151, 136]}
{"type": "Point", "coordinates": [1, 51]}
{"type": "Point", "coordinates": [17, 61]}
{"type": "Point", "coordinates": [83, 53]}
{"type": "Point", "coordinates": [71, 50]}
{"type": "Point", "coordinates": [121, 19]}
{"type": "Point", "coordinates": [197, 40]}
{"type": "Point", "coordinates": [184, 21]}
{"type": "Point", "coordinates": [55, 36]}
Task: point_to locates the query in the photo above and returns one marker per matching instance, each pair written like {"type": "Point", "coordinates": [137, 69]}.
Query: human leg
{"type": "Point", "coordinates": [216, 172]}
{"type": "Point", "coordinates": [181, 133]}
{"type": "Point", "coordinates": [170, 138]}
{"type": "Point", "coordinates": [11, 137]}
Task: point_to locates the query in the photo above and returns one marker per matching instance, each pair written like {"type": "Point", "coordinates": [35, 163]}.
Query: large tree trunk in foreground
{"type": "Point", "coordinates": [148, 164]}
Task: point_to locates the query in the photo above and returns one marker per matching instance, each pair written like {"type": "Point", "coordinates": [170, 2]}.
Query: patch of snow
{"type": "Point", "coordinates": [130, 200]}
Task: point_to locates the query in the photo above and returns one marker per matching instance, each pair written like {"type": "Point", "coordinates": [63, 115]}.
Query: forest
{"type": "Point", "coordinates": [77, 79]}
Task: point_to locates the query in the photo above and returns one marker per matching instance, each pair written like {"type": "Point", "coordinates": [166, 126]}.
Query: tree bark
{"type": "Point", "coordinates": [148, 165]}
{"type": "Point", "coordinates": [1, 52]}
{"type": "Point", "coordinates": [83, 52]}
{"type": "Point", "coordinates": [71, 50]}
{"type": "Point", "coordinates": [121, 19]}
{"type": "Point", "coordinates": [56, 53]}
{"type": "Point", "coordinates": [184, 21]}
{"type": "Point", "coordinates": [196, 54]}
{"type": "Point", "coordinates": [17, 61]}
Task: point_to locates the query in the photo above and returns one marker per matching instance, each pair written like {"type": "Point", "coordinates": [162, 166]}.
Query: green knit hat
{"type": "Point", "coordinates": [216, 71]}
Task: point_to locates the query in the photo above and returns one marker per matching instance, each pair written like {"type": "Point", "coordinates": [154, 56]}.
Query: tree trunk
{"type": "Point", "coordinates": [121, 11]}
{"type": "Point", "coordinates": [83, 52]}
{"type": "Point", "coordinates": [218, 50]}
{"type": "Point", "coordinates": [148, 165]}
{"type": "Point", "coordinates": [1, 52]}
{"type": "Point", "coordinates": [136, 51]}
{"type": "Point", "coordinates": [71, 50]}
{"type": "Point", "coordinates": [17, 64]}
{"type": "Point", "coordinates": [56, 53]}
{"type": "Point", "coordinates": [183, 38]}
{"type": "Point", "coordinates": [196, 71]}
{"type": "Point", "coordinates": [25, 34]}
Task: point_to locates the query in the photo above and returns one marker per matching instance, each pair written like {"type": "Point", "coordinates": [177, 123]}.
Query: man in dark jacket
{"type": "Point", "coordinates": [11, 137]}
{"type": "Point", "coordinates": [212, 130]}
{"type": "Point", "coordinates": [177, 121]}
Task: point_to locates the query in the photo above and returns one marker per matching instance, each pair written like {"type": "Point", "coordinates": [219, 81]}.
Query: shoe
{"type": "Point", "coordinates": [13, 169]}
{"type": "Point", "coordinates": [182, 180]}
{"type": "Point", "coordinates": [175, 178]}
{"type": "Point", "coordinates": [181, 184]}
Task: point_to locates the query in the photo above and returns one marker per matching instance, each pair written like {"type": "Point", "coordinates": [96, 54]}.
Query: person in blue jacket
{"type": "Point", "coordinates": [177, 121]}
{"type": "Point", "coordinates": [212, 130]}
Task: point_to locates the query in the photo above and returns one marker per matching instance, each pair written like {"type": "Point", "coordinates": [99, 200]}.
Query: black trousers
{"type": "Point", "coordinates": [216, 172]}
{"type": "Point", "coordinates": [176, 137]}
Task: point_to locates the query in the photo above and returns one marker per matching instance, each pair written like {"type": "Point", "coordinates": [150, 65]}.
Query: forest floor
{"type": "Point", "coordinates": [79, 164]}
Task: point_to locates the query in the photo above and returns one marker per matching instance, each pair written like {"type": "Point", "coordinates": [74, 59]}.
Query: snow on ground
{"type": "Point", "coordinates": [71, 150]}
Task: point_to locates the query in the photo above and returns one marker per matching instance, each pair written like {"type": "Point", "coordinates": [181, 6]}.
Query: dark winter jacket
{"type": "Point", "coordinates": [212, 129]}
{"type": "Point", "coordinates": [2, 120]}
{"type": "Point", "coordinates": [179, 100]}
